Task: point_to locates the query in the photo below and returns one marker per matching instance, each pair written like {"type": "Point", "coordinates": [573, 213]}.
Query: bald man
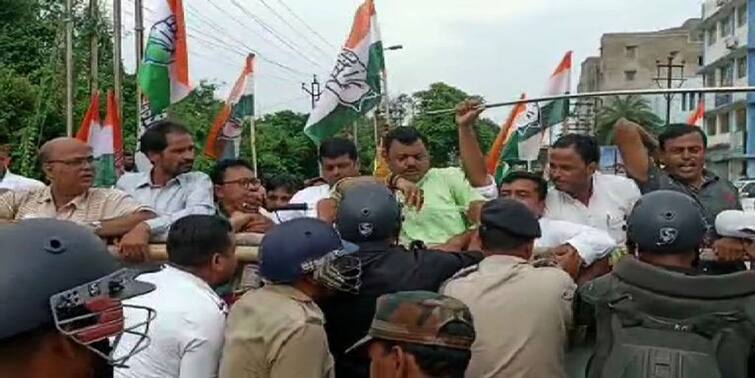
{"type": "Point", "coordinates": [67, 164]}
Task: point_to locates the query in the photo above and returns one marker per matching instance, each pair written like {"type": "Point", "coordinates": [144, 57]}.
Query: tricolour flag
{"type": "Point", "coordinates": [698, 116]}
{"type": "Point", "coordinates": [106, 140]}
{"type": "Point", "coordinates": [164, 72]}
{"type": "Point", "coordinates": [354, 87]}
{"type": "Point", "coordinates": [535, 118]}
{"type": "Point", "coordinates": [224, 139]}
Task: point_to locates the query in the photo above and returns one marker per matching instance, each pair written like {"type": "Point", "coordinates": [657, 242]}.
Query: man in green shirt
{"type": "Point", "coordinates": [450, 204]}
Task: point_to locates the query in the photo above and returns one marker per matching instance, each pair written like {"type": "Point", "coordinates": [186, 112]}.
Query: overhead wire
{"type": "Point", "coordinates": [311, 29]}
{"type": "Point", "coordinates": [300, 34]}
{"type": "Point", "coordinates": [272, 31]}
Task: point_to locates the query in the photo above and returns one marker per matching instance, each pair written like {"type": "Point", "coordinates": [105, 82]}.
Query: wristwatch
{"type": "Point", "coordinates": [96, 226]}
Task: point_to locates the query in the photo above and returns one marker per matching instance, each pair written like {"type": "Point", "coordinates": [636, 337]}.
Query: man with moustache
{"type": "Point", "coordinates": [67, 163]}
{"type": "Point", "coordinates": [170, 187]}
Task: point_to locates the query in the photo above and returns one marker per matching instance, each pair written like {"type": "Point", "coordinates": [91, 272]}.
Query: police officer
{"type": "Point", "coordinates": [417, 334]}
{"type": "Point", "coordinates": [370, 216]}
{"type": "Point", "coordinates": [60, 301]}
{"type": "Point", "coordinates": [277, 330]}
{"type": "Point", "coordinates": [655, 313]}
{"type": "Point", "coordinates": [522, 312]}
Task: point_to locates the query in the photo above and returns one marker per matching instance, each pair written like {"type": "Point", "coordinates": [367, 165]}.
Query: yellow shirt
{"type": "Point", "coordinates": [96, 204]}
{"type": "Point", "coordinates": [277, 332]}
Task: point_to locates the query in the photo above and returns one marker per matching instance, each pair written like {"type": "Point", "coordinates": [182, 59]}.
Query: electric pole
{"type": "Point", "coordinates": [669, 80]}
{"type": "Point", "coordinates": [139, 31]}
{"type": "Point", "coordinates": [117, 53]}
{"type": "Point", "coordinates": [313, 91]}
{"type": "Point", "coordinates": [69, 68]}
{"type": "Point", "coordinates": [94, 48]}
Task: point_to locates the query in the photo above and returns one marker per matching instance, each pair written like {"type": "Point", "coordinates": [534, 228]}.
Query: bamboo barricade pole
{"type": "Point", "coordinates": [246, 249]}
{"type": "Point", "coordinates": [627, 92]}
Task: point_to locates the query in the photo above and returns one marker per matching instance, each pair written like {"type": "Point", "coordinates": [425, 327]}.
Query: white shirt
{"type": "Point", "coordinates": [18, 183]}
{"type": "Point", "coordinates": [591, 244]}
{"type": "Point", "coordinates": [311, 196]}
{"type": "Point", "coordinates": [610, 204]}
{"type": "Point", "coordinates": [186, 334]}
{"type": "Point", "coordinates": [185, 194]}
{"type": "Point", "coordinates": [490, 191]}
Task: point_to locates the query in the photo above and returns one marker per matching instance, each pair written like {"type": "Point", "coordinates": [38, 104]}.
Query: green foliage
{"type": "Point", "coordinates": [634, 108]}
{"type": "Point", "coordinates": [197, 112]}
{"type": "Point", "coordinates": [282, 146]}
{"type": "Point", "coordinates": [440, 129]}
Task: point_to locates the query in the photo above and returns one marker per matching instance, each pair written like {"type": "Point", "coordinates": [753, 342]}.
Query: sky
{"type": "Point", "coordinates": [493, 48]}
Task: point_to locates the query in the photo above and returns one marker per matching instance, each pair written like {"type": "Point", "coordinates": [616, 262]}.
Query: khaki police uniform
{"type": "Point", "coordinates": [277, 332]}
{"type": "Point", "coordinates": [521, 313]}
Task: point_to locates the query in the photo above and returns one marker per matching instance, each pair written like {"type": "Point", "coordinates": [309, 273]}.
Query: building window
{"type": "Point", "coordinates": [742, 15]}
{"type": "Point", "coordinates": [726, 74]}
{"type": "Point", "coordinates": [630, 52]}
{"type": "Point", "coordinates": [710, 125]}
{"type": "Point", "coordinates": [726, 26]}
{"type": "Point", "coordinates": [741, 67]}
{"type": "Point", "coordinates": [629, 75]}
{"type": "Point", "coordinates": [712, 35]}
{"type": "Point", "coordinates": [700, 60]}
{"type": "Point", "coordinates": [724, 120]}
{"type": "Point", "coordinates": [741, 119]}
{"type": "Point", "coordinates": [710, 79]}
{"type": "Point", "coordinates": [684, 102]}
{"type": "Point", "coordinates": [692, 103]}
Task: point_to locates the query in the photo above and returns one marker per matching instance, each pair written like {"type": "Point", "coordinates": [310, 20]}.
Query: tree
{"type": "Point", "coordinates": [282, 146]}
{"type": "Point", "coordinates": [634, 108]}
{"type": "Point", "coordinates": [440, 129]}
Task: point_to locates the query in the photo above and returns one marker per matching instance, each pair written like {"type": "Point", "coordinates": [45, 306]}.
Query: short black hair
{"type": "Point", "coordinates": [217, 175]}
{"type": "Point", "coordinates": [404, 135]}
{"type": "Point", "coordinates": [585, 145]}
{"type": "Point", "coordinates": [495, 239]}
{"type": "Point", "coordinates": [193, 239]}
{"type": "Point", "coordinates": [542, 185]}
{"type": "Point", "coordinates": [438, 361]}
{"type": "Point", "coordinates": [332, 148]}
{"type": "Point", "coordinates": [155, 138]}
{"type": "Point", "coordinates": [676, 130]}
{"type": "Point", "coordinates": [287, 182]}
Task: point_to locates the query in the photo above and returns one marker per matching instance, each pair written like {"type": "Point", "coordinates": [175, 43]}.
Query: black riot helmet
{"type": "Point", "coordinates": [666, 221]}
{"type": "Point", "coordinates": [60, 275]}
{"type": "Point", "coordinates": [367, 213]}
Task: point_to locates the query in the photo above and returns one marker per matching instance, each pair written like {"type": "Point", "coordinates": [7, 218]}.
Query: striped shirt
{"type": "Point", "coordinates": [185, 194]}
{"type": "Point", "coordinates": [96, 204]}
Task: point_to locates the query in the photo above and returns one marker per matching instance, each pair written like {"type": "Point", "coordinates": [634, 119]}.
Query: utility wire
{"type": "Point", "coordinates": [307, 25]}
{"type": "Point", "coordinates": [275, 34]}
{"type": "Point", "coordinates": [300, 34]}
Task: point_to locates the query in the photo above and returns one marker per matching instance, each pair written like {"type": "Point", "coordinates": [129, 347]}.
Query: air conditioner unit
{"type": "Point", "coordinates": [731, 42]}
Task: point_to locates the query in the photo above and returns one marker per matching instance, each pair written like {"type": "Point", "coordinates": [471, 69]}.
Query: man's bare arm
{"type": "Point", "coordinates": [472, 158]}
{"type": "Point", "coordinates": [121, 225]}
{"type": "Point", "coordinates": [636, 146]}
{"type": "Point", "coordinates": [474, 211]}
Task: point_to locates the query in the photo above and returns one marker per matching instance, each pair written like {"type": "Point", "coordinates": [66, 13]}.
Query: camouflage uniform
{"type": "Point", "coordinates": [419, 317]}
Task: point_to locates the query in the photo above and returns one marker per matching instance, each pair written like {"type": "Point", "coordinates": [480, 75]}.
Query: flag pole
{"type": "Point", "coordinates": [253, 141]}
{"type": "Point", "coordinates": [628, 92]}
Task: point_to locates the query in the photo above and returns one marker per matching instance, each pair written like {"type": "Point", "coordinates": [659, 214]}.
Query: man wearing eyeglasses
{"type": "Point", "coordinates": [240, 196]}
{"type": "Point", "coordinates": [67, 163]}
{"type": "Point", "coordinates": [170, 187]}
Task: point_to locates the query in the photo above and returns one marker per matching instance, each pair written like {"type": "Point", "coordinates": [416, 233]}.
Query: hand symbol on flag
{"type": "Point", "coordinates": [348, 81]}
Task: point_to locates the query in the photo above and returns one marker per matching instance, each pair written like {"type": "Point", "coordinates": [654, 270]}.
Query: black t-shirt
{"type": "Point", "coordinates": [385, 269]}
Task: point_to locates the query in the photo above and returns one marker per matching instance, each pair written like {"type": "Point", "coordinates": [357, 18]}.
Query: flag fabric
{"type": "Point", "coordinates": [697, 118]}
{"type": "Point", "coordinates": [493, 161]}
{"type": "Point", "coordinates": [353, 87]}
{"type": "Point", "coordinates": [533, 119]}
{"type": "Point", "coordinates": [106, 140]}
{"type": "Point", "coordinates": [224, 139]}
{"type": "Point", "coordinates": [164, 72]}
